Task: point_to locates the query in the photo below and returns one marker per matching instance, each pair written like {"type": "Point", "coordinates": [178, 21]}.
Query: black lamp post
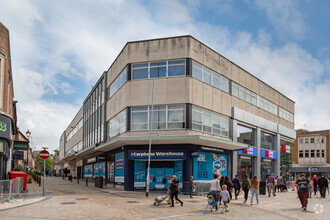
{"type": "Point", "coordinates": [28, 134]}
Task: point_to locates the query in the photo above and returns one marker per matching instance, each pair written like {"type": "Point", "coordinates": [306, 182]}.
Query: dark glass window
{"type": "Point", "coordinates": [306, 153]}
{"type": "Point", "coordinates": [176, 68]}
{"type": "Point", "coordinates": [312, 140]}
{"type": "Point", "coordinates": [157, 69]}
{"type": "Point", "coordinates": [312, 153]}
{"type": "Point", "coordinates": [323, 153]}
{"type": "Point", "coordinates": [317, 153]}
{"type": "Point", "coordinates": [267, 140]}
{"type": "Point", "coordinates": [301, 153]}
{"type": "Point", "coordinates": [244, 135]}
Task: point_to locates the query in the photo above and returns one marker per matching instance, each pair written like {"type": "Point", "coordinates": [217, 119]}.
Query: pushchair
{"type": "Point", "coordinates": [212, 201]}
{"type": "Point", "coordinates": [159, 199]}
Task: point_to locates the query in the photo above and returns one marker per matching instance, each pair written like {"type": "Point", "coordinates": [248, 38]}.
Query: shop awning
{"type": "Point", "coordinates": [184, 139]}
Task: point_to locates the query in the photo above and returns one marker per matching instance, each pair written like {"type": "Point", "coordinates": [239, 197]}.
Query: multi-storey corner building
{"type": "Point", "coordinates": [311, 152]}
{"type": "Point", "coordinates": [7, 105]}
{"type": "Point", "coordinates": [209, 115]}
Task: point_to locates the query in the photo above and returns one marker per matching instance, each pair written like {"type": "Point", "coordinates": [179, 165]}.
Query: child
{"type": "Point", "coordinates": [225, 198]}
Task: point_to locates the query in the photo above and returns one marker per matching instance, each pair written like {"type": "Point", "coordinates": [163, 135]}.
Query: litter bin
{"type": "Point", "coordinates": [99, 181]}
{"type": "Point", "coordinates": [70, 178]}
{"type": "Point", "coordinates": [17, 174]}
{"type": "Point", "coordinates": [262, 188]}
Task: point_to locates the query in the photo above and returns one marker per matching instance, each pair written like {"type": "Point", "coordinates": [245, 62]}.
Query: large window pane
{"type": "Point", "coordinates": [216, 80]}
{"type": "Point", "coordinates": [157, 69]}
{"type": "Point", "coordinates": [197, 71]}
{"type": "Point", "coordinates": [207, 76]}
{"type": "Point", "coordinates": [244, 135]}
{"type": "Point", "coordinates": [267, 140]}
{"type": "Point", "coordinates": [140, 73]}
{"type": "Point", "coordinates": [178, 70]}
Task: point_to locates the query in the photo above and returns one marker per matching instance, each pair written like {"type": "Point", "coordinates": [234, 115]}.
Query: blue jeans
{"type": "Point", "coordinates": [254, 191]}
{"type": "Point", "coordinates": [216, 200]}
{"type": "Point", "coordinates": [191, 189]}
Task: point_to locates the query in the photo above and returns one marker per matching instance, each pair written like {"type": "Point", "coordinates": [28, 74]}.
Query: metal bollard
{"type": "Point", "coordinates": [39, 181]}
{"type": "Point", "coordinates": [63, 176]}
{"type": "Point", "coordinates": [86, 181]}
{"type": "Point", "coordinates": [78, 180]}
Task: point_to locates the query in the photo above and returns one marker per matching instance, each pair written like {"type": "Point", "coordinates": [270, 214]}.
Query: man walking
{"type": "Point", "coordinates": [271, 184]}
{"type": "Point", "coordinates": [303, 194]}
{"type": "Point", "coordinates": [314, 180]}
{"type": "Point", "coordinates": [323, 184]}
{"type": "Point", "coordinates": [237, 185]}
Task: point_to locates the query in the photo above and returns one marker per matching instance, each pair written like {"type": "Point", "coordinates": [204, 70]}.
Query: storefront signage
{"type": "Point", "coordinates": [99, 169]}
{"type": "Point", "coordinates": [211, 149]}
{"type": "Point", "coordinates": [157, 155]}
{"type": "Point", "coordinates": [91, 160]}
{"type": "Point", "coordinates": [88, 170]}
{"type": "Point", "coordinates": [120, 168]}
{"type": "Point", "coordinates": [268, 154]}
{"type": "Point", "coordinates": [286, 148]}
{"type": "Point", "coordinates": [310, 169]}
{"type": "Point", "coordinates": [19, 155]}
{"type": "Point", "coordinates": [20, 145]}
{"type": "Point", "coordinates": [101, 158]}
{"type": "Point", "coordinates": [5, 127]}
{"type": "Point", "coordinates": [194, 154]}
{"type": "Point", "coordinates": [251, 151]}
{"type": "Point", "coordinates": [208, 164]}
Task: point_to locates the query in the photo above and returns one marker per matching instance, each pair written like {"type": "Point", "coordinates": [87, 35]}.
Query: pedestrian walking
{"type": "Point", "coordinates": [323, 185]}
{"type": "Point", "coordinates": [222, 181]}
{"type": "Point", "coordinates": [225, 198]}
{"type": "Point", "coordinates": [215, 190]}
{"type": "Point", "coordinates": [271, 185]}
{"type": "Point", "coordinates": [175, 190]}
{"type": "Point", "coordinates": [279, 184]}
{"type": "Point", "coordinates": [192, 186]}
{"type": "Point", "coordinates": [237, 186]}
{"type": "Point", "coordinates": [254, 189]}
{"type": "Point", "coordinates": [276, 183]}
{"type": "Point", "coordinates": [310, 190]}
{"type": "Point", "coordinates": [229, 185]}
{"type": "Point", "coordinates": [315, 179]}
{"type": "Point", "coordinates": [303, 193]}
{"type": "Point", "coordinates": [246, 187]}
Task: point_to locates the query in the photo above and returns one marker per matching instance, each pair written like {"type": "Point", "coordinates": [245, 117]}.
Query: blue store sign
{"type": "Point", "coordinates": [157, 154]}
{"type": "Point", "coordinates": [211, 149]}
{"type": "Point", "coordinates": [251, 151]}
{"type": "Point", "coordinates": [268, 154]}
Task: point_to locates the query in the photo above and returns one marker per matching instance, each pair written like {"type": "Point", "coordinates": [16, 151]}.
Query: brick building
{"type": "Point", "coordinates": [8, 120]}
{"type": "Point", "coordinates": [311, 152]}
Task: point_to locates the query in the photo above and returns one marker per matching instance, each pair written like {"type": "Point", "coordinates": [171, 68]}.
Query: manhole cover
{"type": "Point", "coordinates": [81, 198]}
{"type": "Point", "coordinates": [67, 203]}
{"type": "Point", "coordinates": [193, 201]}
{"type": "Point", "coordinates": [132, 202]}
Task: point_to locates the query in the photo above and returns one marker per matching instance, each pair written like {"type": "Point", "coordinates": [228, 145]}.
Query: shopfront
{"type": "Point", "coordinates": [268, 158]}
{"type": "Point", "coordinates": [80, 169]}
{"type": "Point", "coordinates": [245, 160]}
{"type": "Point", "coordinates": [5, 142]}
{"type": "Point", "coordinates": [286, 158]}
{"type": "Point", "coordinates": [95, 166]}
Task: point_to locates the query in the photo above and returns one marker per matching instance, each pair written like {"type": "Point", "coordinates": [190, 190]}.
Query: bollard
{"type": "Point", "coordinates": [39, 181]}
{"type": "Point", "coordinates": [63, 176]}
{"type": "Point", "coordinates": [78, 180]}
{"type": "Point", "coordinates": [86, 181]}
{"type": "Point", "coordinates": [71, 179]}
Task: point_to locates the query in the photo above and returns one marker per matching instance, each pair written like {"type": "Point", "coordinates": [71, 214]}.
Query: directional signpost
{"type": "Point", "coordinates": [44, 155]}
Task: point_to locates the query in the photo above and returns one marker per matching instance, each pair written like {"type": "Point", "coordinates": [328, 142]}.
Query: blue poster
{"type": "Point", "coordinates": [99, 169]}
{"type": "Point", "coordinates": [152, 178]}
{"type": "Point", "coordinates": [139, 174]}
{"type": "Point", "coordinates": [120, 168]}
{"type": "Point", "coordinates": [178, 171]}
{"type": "Point", "coordinates": [160, 176]}
{"type": "Point", "coordinates": [168, 176]}
{"type": "Point", "coordinates": [209, 163]}
{"type": "Point", "coordinates": [88, 170]}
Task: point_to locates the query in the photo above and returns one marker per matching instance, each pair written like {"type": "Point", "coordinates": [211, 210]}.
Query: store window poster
{"type": "Point", "coordinates": [208, 164]}
{"type": "Point", "coordinates": [88, 170]}
{"type": "Point", "coordinates": [119, 167]}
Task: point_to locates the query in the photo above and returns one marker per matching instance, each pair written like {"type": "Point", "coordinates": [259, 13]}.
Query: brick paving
{"type": "Point", "coordinates": [69, 200]}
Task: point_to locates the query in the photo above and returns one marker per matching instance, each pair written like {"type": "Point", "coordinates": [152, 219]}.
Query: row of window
{"type": "Point", "coordinates": [285, 115]}
{"type": "Point", "coordinates": [311, 153]}
{"type": "Point", "coordinates": [308, 140]}
{"type": "Point", "coordinates": [74, 130]}
{"type": "Point", "coordinates": [244, 94]}
{"type": "Point", "coordinates": [210, 122]}
{"type": "Point", "coordinates": [118, 83]}
{"type": "Point", "coordinates": [117, 124]}
{"type": "Point", "coordinates": [267, 105]}
{"type": "Point", "coordinates": [75, 149]}
{"type": "Point", "coordinates": [159, 69]}
{"type": "Point", "coordinates": [210, 77]}
{"type": "Point", "coordinates": [164, 117]}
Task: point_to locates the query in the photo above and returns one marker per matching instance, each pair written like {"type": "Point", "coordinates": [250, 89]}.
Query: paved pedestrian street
{"type": "Point", "coordinates": [69, 200]}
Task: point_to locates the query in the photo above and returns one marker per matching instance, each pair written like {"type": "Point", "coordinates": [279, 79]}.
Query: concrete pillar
{"type": "Point", "coordinates": [258, 143]}
{"type": "Point", "coordinates": [278, 160]}
{"type": "Point", "coordinates": [234, 160]}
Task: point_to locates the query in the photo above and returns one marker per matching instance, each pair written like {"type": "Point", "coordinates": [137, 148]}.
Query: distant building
{"type": "Point", "coordinates": [311, 152]}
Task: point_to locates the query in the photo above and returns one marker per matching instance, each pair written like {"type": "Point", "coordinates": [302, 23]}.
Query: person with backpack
{"type": "Point", "coordinates": [246, 187]}
{"type": "Point", "coordinates": [175, 190]}
{"type": "Point", "coordinates": [229, 185]}
{"type": "Point", "coordinates": [237, 185]}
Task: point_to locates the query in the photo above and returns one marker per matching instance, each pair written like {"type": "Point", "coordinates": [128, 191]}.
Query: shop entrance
{"type": "Point", "coordinates": [266, 169]}
{"type": "Point", "coordinates": [244, 166]}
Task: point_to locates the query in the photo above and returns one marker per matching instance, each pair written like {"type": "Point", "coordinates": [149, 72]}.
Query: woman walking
{"type": "Point", "coordinates": [192, 186]}
{"type": "Point", "coordinates": [246, 187]}
{"type": "Point", "coordinates": [175, 190]}
{"type": "Point", "coordinates": [215, 190]}
{"type": "Point", "coordinates": [254, 189]}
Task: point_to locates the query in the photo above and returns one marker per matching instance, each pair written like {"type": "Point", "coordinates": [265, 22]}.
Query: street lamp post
{"type": "Point", "coordinates": [28, 134]}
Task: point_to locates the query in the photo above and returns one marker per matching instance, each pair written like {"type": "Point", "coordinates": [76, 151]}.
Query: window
{"type": "Point", "coordinates": [312, 140]}
{"type": "Point", "coordinates": [322, 140]}
{"type": "Point", "coordinates": [267, 105]}
{"type": "Point", "coordinates": [267, 140]}
{"type": "Point", "coordinates": [210, 77]}
{"type": "Point", "coordinates": [117, 125]}
{"type": "Point", "coordinates": [244, 135]}
{"type": "Point", "coordinates": [118, 83]}
{"type": "Point", "coordinates": [301, 140]}
{"type": "Point", "coordinates": [285, 115]}
{"type": "Point", "coordinates": [244, 94]}
{"type": "Point", "coordinates": [140, 71]}
{"type": "Point", "coordinates": [312, 153]}
{"type": "Point", "coordinates": [176, 68]}
{"type": "Point", "coordinates": [210, 122]}
{"type": "Point", "coordinates": [323, 154]}
{"type": "Point", "coordinates": [164, 117]}
{"type": "Point", "coordinates": [306, 153]}
{"type": "Point", "coordinates": [301, 153]}
{"type": "Point", "coordinates": [306, 140]}
{"type": "Point", "coordinates": [158, 69]}
{"type": "Point", "coordinates": [317, 153]}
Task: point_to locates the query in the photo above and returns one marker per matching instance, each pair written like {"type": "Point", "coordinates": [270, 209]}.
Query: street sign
{"type": "Point", "coordinates": [44, 154]}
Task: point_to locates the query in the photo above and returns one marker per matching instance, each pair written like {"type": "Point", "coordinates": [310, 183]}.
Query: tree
{"type": "Point", "coordinates": [49, 163]}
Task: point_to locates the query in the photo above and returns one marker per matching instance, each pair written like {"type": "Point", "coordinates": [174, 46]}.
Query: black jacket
{"type": "Point", "coordinates": [174, 186]}
{"type": "Point", "coordinates": [322, 182]}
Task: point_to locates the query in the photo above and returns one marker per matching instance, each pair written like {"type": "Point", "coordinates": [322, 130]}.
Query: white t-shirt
{"type": "Point", "coordinates": [215, 185]}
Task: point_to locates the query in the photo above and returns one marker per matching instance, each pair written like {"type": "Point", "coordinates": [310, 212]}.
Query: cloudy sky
{"type": "Point", "coordinates": [60, 48]}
